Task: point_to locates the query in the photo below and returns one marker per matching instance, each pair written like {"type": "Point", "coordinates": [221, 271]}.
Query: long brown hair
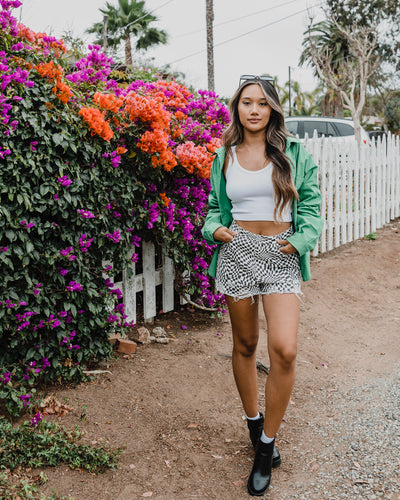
{"type": "Point", "coordinates": [275, 142]}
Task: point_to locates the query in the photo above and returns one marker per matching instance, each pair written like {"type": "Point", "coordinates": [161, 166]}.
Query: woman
{"type": "Point", "coordinates": [264, 216]}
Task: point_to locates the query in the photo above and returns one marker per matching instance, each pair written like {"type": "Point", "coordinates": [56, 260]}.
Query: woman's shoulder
{"type": "Point", "coordinates": [291, 140]}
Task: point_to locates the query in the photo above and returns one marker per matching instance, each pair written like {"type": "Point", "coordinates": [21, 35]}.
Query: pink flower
{"type": "Point", "coordinates": [115, 236]}
{"type": "Point", "coordinates": [73, 285]}
{"type": "Point", "coordinates": [86, 214]}
{"type": "Point", "coordinates": [64, 181]}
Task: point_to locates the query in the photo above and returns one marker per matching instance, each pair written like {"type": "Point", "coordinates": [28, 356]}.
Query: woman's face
{"type": "Point", "coordinates": [254, 111]}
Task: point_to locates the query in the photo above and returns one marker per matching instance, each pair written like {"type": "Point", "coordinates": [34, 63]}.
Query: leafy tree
{"type": "Point", "coordinates": [382, 13]}
{"type": "Point", "coordinates": [302, 103]}
{"type": "Point", "coordinates": [129, 19]}
{"type": "Point", "coordinates": [392, 112]}
{"type": "Point", "coordinates": [348, 76]}
{"type": "Point", "coordinates": [326, 37]}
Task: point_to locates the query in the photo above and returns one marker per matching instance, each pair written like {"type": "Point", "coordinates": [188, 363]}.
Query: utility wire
{"type": "Point", "coordinates": [247, 33]}
{"type": "Point", "coordinates": [147, 14]}
{"type": "Point", "coordinates": [236, 19]}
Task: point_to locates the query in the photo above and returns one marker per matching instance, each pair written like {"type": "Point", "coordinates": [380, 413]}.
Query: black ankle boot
{"type": "Point", "coordinates": [255, 428]}
{"type": "Point", "coordinates": [260, 475]}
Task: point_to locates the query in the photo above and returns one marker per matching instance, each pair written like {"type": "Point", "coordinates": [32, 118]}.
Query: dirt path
{"type": "Point", "coordinates": [175, 410]}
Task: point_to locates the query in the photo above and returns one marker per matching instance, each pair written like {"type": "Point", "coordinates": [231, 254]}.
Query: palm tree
{"type": "Point", "coordinates": [327, 38]}
{"type": "Point", "coordinates": [129, 19]}
{"type": "Point", "coordinates": [302, 103]}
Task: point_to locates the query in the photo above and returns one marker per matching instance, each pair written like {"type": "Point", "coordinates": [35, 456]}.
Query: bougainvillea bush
{"type": "Point", "coordinates": [88, 169]}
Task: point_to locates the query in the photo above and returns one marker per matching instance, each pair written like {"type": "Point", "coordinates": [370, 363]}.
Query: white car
{"type": "Point", "coordinates": [339, 128]}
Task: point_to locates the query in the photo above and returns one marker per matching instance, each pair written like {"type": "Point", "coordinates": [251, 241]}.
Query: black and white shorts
{"type": "Point", "coordinates": [252, 264]}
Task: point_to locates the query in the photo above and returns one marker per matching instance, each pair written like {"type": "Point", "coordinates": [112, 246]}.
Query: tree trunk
{"type": "Point", "coordinates": [210, 44]}
{"type": "Point", "coordinates": [128, 50]}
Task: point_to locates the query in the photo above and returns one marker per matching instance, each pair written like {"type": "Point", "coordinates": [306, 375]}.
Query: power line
{"type": "Point", "coordinates": [247, 33]}
{"type": "Point", "coordinates": [236, 19]}
{"type": "Point", "coordinates": [147, 14]}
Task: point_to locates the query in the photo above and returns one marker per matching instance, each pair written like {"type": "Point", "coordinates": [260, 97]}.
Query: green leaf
{"type": "Point", "coordinates": [58, 139]}
{"type": "Point", "coordinates": [44, 189]}
{"type": "Point", "coordinates": [29, 246]}
{"type": "Point", "coordinates": [10, 235]}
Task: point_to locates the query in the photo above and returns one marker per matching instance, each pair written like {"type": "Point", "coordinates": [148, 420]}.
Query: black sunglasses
{"type": "Point", "coordinates": [263, 78]}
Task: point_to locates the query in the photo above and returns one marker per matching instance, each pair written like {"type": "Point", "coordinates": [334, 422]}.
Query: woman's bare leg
{"type": "Point", "coordinates": [245, 328]}
{"type": "Point", "coordinates": [282, 312]}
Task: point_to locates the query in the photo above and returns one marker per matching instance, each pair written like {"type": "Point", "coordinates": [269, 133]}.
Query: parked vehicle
{"type": "Point", "coordinates": [342, 129]}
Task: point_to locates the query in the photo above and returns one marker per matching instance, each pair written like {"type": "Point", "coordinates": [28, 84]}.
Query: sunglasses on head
{"type": "Point", "coordinates": [263, 78]}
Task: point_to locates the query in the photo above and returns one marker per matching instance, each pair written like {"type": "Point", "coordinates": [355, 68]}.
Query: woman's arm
{"type": "Point", "coordinates": [309, 223]}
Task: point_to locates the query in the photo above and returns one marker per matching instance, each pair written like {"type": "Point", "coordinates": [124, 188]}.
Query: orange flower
{"type": "Point", "coordinates": [95, 119]}
{"type": "Point", "coordinates": [165, 199]}
{"type": "Point", "coordinates": [121, 150]}
{"type": "Point", "coordinates": [53, 72]}
{"type": "Point", "coordinates": [195, 159]}
{"type": "Point", "coordinates": [108, 101]}
{"type": "Point", "coordinates": [214, 144]}
{"type": "Point", "coordinates": [50, 70]}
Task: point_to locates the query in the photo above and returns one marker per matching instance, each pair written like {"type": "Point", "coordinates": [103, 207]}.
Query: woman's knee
{"type": "Point", "coordinates": [245, 346]}
{"type": "Point", "coordinates": [284, 356]}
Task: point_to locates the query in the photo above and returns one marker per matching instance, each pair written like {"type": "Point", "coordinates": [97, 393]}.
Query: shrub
{"type": "Point", "coordinates": [88, 169]}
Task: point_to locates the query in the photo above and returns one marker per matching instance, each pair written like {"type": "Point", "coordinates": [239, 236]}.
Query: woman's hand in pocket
{"type": "Point", "coordinates": [286, 247]}
{"type": "Point", "coordinates": [223, 234]}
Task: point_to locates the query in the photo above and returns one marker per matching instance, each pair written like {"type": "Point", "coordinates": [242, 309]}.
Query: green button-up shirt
{"type": "Point", "coordinates": [306, 219]}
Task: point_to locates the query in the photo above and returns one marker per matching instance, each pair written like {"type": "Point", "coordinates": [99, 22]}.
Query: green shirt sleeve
{"type": "Point", "coordinates": [213, 219]}
{"type": "Point", "coordinates": [307, 220]}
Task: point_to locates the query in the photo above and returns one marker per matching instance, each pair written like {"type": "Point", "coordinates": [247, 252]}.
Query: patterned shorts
{"type": "Point", "coordinates": [252, 264]}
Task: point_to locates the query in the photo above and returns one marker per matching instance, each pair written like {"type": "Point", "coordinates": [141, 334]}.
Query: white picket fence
{"type": "Point", "coordinates": [360, 193]}
{"type": "Point", "coordinates": [360, 188]}
{"type": "Point", "coordinates": [146, 283]}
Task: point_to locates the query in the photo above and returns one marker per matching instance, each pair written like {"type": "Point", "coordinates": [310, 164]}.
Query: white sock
{"type": "Point", "coordinates": [265, 439]}
{"type": "Point", "coordinates": [254, 418]}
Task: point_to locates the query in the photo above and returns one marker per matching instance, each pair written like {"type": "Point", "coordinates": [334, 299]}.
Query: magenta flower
{"type": "Point", "coordinates": [45, 363]}
{"type": "Point", "coordinates": [25, 398]}
{"type": "Point", "coordinates": [64, 181]}
{"type": "Point", "coordinates": [33, 144]}
{"type": "Point", "coordinates": [85, 243]}
{"type": "Point", "coordinates": [66, 251]}
{"type": "Point", "coordinates": [136, 240]}
{"type": "Point", "coordinates": [5, 378]}
{"type": "Point", "coordinates": [64, 272]}
{"type": "Point", "coordinates": [74, 286]}
{"type": "Point", "coordinates": [86, 214]}
{"type": "Point", "coordinates": [115, 236]}
{"type": "Point", "coordinates": [36, 419]}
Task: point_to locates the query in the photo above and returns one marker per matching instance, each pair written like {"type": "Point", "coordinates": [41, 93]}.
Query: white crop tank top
{"type": "Point", "coordinates": [252, 193]}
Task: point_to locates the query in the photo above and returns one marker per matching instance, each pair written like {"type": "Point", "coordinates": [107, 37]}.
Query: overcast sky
{"type": "Point", "coordinates": [250, 37]}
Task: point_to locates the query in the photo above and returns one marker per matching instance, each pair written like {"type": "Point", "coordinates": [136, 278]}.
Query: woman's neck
{"type": "Point", "coordinates": [253, 141]}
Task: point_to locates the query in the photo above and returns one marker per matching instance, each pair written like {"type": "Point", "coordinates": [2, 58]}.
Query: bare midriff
{"type": "Point", "coordinates": [264, 227]}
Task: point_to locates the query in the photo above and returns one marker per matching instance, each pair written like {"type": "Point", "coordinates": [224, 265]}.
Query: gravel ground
{"type": "Point", "coordinates": [360, 456]}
